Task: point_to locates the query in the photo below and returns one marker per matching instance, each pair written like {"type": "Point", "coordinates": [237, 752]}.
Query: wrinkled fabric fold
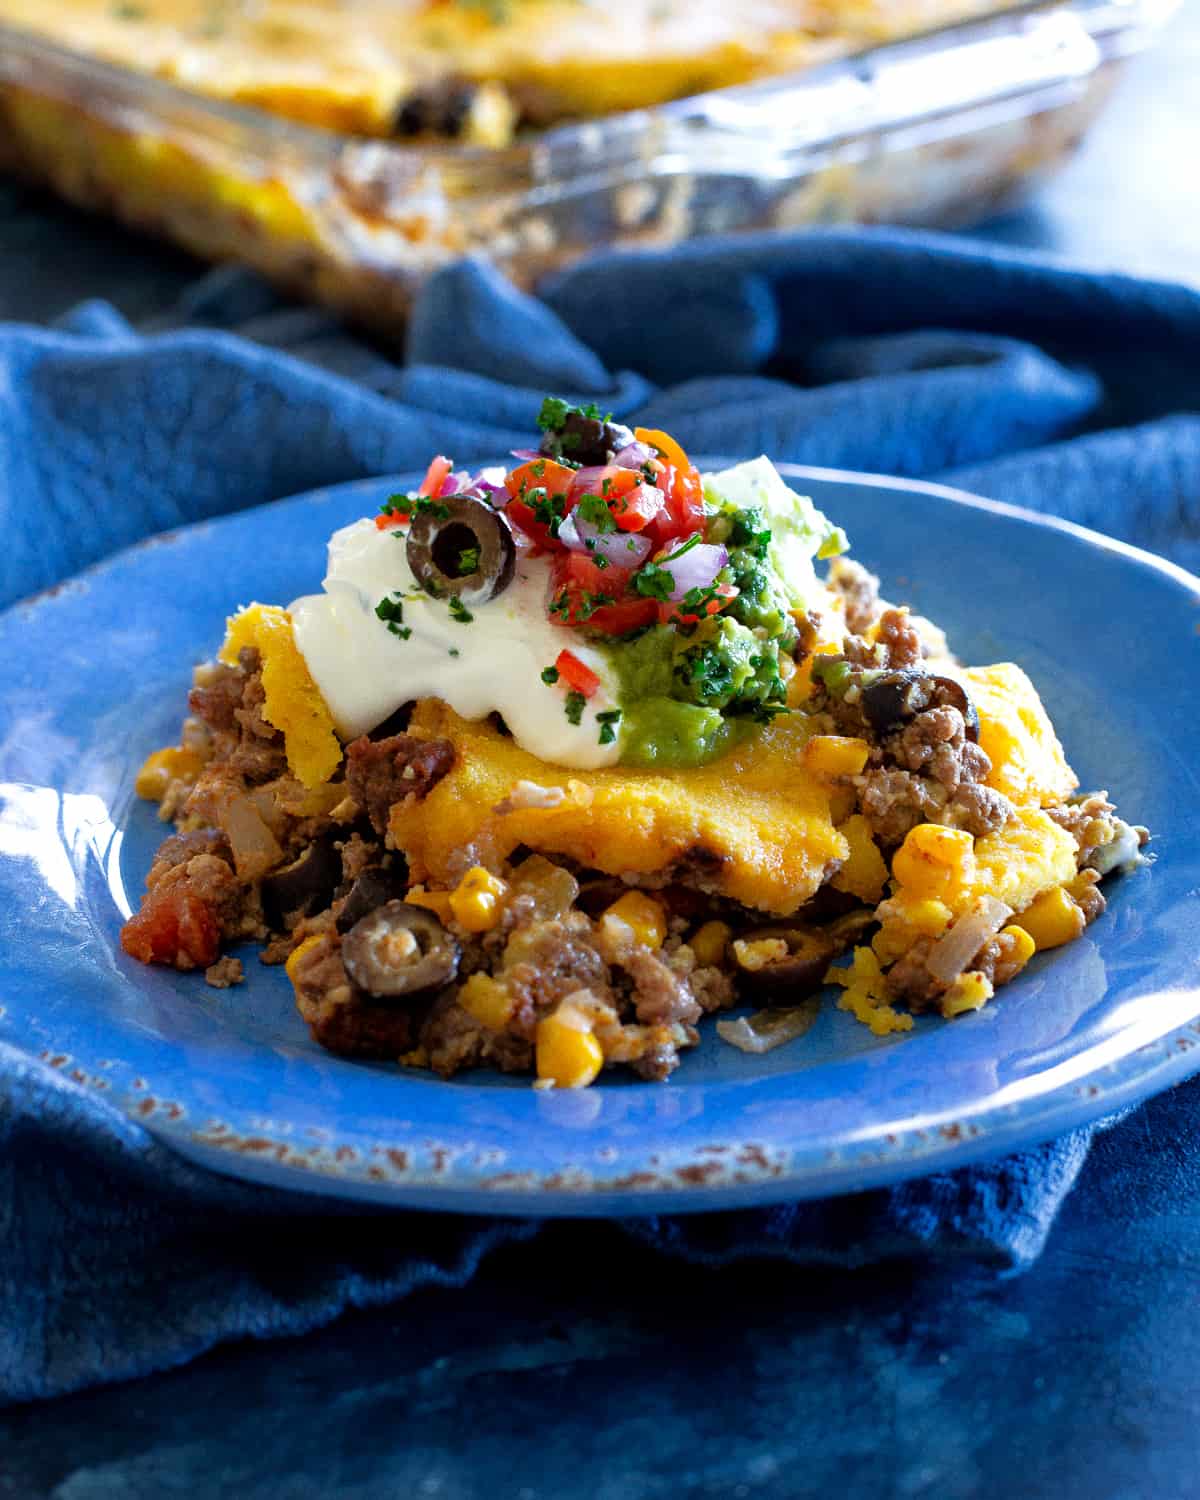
{"type": "Point", "coordinates": [1072, 393]}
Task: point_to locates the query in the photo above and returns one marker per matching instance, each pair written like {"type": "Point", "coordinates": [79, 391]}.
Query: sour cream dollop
{"type": "Point", "coordinates": [491, 663]}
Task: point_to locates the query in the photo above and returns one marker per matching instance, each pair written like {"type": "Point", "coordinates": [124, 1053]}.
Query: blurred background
{"type": "Point", "coordinates": [1067, 127]}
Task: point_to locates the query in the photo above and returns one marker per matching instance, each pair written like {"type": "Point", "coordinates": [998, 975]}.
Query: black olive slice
{"type": "Point", "coordinates": [892, 697]}
{"type": "Point", "coordinates": [303, 887]}
{"type": "Point", "coordinates": [399, 950]}
{"type": "Point", "coordinates": [461, 547]}
{"type": "Point", "coordinates": [586, 440]}
{"type": "Point", "coordinates": [950, 693]}
{"type": "Point", "coordinates": [810, 951]}
{"type": "Point", "coordinates": [373, 888]}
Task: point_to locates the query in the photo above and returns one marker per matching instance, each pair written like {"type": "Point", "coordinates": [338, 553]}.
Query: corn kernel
{"type": "Point", "coordinates": [758, 953]}
{"type": "Point", "coordinates": [163, 767]}
{"type": "Point", "coordinates": [1021, 945]}
{"type": "Point", "coordinates": [1053, 919]}
{"type": "Point", "coordinates": [438, 902]}
{"type": "Point", "coordinates": [864, 873]}
{"type": "Point", "coordinates": [835, 755]}
{"type": "Point", "coordinates": [298, 953]}
{"type": "Point", "coordinates": [645, 917]}
{"type": "Point", "coordinates": [936, 862]}
{"type": "Point", "coordinates": [710, 942]}
{"type": "Point", "coordinates": [478, 899]}
{"type": "Point", "coordinates": [487, 1000]}
{"type": "Point", "coordinates": [567, 1053]}
{"type": "Point", "coordinates": [903, 919]}
{"type": "Point", "coordinates": [970, 991]}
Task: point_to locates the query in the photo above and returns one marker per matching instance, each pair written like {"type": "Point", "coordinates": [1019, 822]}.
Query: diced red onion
{"type": "Point", "coordinates": [634, 456]}
{"type": "Point", "coordinates": [455, 484]}
{"type": "Point", "coordinates": [590, 480]}
{"type": "Point", "coordinates": [952, 952]}
{"type": "Point", "coordinates": [526, 455]}
{"type": "Point", "coordinates": [622, 549]}
{"type": "Point", "coordinates": [696, 569]}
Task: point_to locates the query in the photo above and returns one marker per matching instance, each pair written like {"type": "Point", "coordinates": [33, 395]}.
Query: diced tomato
{"type": "Point", "coordinates": [608, 482]}
{"type": "Point", "coordinates": [173, 927]}
{"type": "Point", "coordinates": [625, 615]}
{"type": "Point", "coordinates": [538, 477]}
{"type": "Point", "coordinates": [576, 674]}
{"type": "Point", "coordinates": [683, 511]}
{"type": "Point", "coordinates": [539, 473]}
{"type": "Point", "coordinates": [632, 503]}
{"type": "Point", "coordinates": [636, 510]}
{"type": "Point", "coordinates": [383, 520]}
{"type": "Point", "coordinates": [665, 445]}
{"type": "Point", "coordinates": [435, 476]}
{"type": "Point", "coordinates": [577, 585]}
{"type": "Point", "coordinates": [671, 614]}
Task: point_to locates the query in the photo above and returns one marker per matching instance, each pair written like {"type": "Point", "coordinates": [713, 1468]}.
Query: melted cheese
{"type": "Point", "coordinates": [755, 823]}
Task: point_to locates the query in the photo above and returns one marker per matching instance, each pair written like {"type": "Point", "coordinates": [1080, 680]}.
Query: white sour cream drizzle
{"type": "Point", "coordinates": [365, 672]}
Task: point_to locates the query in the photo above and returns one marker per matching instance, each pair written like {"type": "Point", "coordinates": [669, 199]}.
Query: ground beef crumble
{"type": "Point", "coordinates": [382, 772]}
{"type": "Point", "coordinates": [926, 769]}
{"type": "Point", "coordinates": [225, 972]}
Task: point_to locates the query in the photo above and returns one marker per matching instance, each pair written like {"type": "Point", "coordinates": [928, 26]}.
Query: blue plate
{"type": "Point", "coordinates": [94, 675]}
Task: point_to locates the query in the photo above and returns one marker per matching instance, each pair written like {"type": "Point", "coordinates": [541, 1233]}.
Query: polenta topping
{"type": "Point", "coordinates": [566, 755]}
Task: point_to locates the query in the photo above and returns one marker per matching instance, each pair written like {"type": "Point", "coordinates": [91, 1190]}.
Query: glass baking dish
{"type": "Point", "coordinates": [938, 129]}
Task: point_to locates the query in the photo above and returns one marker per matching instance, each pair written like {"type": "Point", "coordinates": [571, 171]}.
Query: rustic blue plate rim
{"type": "Point", "coordinates": [93, 674]}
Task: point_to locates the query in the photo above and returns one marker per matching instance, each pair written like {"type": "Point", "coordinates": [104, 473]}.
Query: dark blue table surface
{"type": "Point", "coordinates": [584, 1366]}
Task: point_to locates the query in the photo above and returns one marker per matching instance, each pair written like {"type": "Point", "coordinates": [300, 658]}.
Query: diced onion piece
{"type": "Point", "coordinates": [621, 549]}
{"type": "Point", "coordinates": [455, 484]}
{"type": "Point", "coordinates": [768, 1029]}
{"type": "Point", "coordinates": [952, 953]}
{"type": "Point", "coordinates": [635, 456]}
{"type": "Point", "coordinates": [697, 568]}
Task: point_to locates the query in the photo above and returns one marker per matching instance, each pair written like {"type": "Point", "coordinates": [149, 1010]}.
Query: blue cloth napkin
{"type": "Point", "coordinates": [909, 354]}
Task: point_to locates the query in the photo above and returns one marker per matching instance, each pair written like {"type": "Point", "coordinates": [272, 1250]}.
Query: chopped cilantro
{"type": "Point", "coordinates": [468, 561]}
{"type": "Point", "coordinates": [459, 611]}
{"type": "Point", "coordinates": [391, 612]}
{"type": "Point", "coordinates": [594, 510]}
{"type": "Point", "coordinates": [404, 507]}
{"type": "Point", "coordinates": [588, 603]}
{"type": "Point", "coordinates": [454, 651]}
{"type": "Point", "coordinates": [550, 510]}
{"type": "Point", "coordinates": [553, 414]}
{"type": "Point", "coordinates": [549, 676]}
{"type": "Point", "coordinates": [129, 12]}
{"type": "Point", "coordinates": [573, 708]}
{"type": "Point", "coordinates": [654, 582]}
{"type": "Point", "coordinates": [608, 720]}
